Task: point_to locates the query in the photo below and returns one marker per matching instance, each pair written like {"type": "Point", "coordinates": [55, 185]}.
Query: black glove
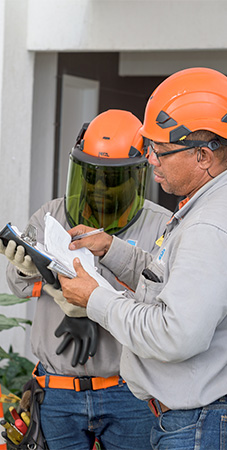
{"type": "Point", "coordinates": [84, 333]}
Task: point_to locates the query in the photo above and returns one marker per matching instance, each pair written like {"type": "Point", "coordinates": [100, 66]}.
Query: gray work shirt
{"type": "Point", "coordinates": [106, 362]}
{"type": "Point", "coordinates": [174, 332]}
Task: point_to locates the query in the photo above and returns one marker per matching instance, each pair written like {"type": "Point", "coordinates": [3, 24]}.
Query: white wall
{"type": "Point", "coordinates": [126, 25]}
{"type": "Point", "coordinates": [16, 93]}
{"type": "Point", "coordinates": [2, 16]}
{"type": "Point", "coordinates": [165, 63]}
{"type": "Point", "coordinates": [43, 130]}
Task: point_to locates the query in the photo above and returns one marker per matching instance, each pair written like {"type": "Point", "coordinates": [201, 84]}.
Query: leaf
{"type": "Point", "coordinates": [8, 300]}
{"type": "Point", "coordinates": [22, 320]}
{"type": "Point", "coordinates": [9, 322]}
{"type": "Point", "coordinates": [3, 354]}
{"type": "Point", "coordinates": [16, 372]}
{"type": "Point", "coordinates": [17, 383]}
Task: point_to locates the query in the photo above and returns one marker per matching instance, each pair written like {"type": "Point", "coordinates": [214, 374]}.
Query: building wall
{"type": "Point", "coordinates": [126, 25]}
{"type": "Point", "coordinates": [16, 97]}
{"type": "Point", "coordinates": [43, 129]}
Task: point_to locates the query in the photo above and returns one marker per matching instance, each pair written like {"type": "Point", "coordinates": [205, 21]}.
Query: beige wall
{"type": "Point", "coordinates": [16, 97]}
{"type": "Point", "coordinates": [126, 25]}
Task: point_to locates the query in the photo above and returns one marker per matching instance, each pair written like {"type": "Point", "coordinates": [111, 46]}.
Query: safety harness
{"type": "Point", "coordinates": [76, 383]}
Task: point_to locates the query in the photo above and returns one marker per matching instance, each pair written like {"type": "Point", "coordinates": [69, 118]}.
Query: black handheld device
{"type": "Point", "coordinates": [149, 275]}
{"type": "Point", "coordinates": [41, 261]}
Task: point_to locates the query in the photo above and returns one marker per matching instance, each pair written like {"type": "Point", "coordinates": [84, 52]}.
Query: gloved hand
{"type": "Point", "coordinates": [84, 333]}
{"type": "Point", "coordinates": [69, 309]}
{"type": "Point", "coordinates": [16, 255]}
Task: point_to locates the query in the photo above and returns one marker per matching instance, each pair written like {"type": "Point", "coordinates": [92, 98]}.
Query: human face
{"type": "Point", "coordinates": [101, 195]}
{"type": "Point", "coordinates": [103, 199]}
{"type": "Point", "coordinates": [177, 171]}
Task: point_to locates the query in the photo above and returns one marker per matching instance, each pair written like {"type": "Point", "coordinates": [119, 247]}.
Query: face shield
{"type": "Point", "coordinates": [103, 192]}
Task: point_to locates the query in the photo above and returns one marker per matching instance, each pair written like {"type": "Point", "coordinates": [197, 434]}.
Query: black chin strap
{"type": "Point", "coordinates": [211, 176]}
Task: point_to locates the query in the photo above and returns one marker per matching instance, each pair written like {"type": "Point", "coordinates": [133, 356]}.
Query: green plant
{"type": "Point", "coordinates": [17, 370]}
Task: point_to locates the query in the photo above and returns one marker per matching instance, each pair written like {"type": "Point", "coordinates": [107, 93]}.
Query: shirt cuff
{"type": "Point", "coordinates": [98, 304]}
{"type": "Point", "coordinates": [111, 258]}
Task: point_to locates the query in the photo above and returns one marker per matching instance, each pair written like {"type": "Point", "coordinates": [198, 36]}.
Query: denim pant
{"type": "Point", "coordinates": [71, 420]}
{"type": "Point", "coordinates": [194, 429]}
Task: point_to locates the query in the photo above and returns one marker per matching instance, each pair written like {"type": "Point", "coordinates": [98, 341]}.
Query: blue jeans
{"type": "Point", "coordinates": [71, 420]}
{"type": "Point", "coordinates": [195, 429]}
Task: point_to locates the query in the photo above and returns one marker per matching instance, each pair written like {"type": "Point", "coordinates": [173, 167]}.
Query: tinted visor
{"type": "Point", "coordinates": [104, 196]}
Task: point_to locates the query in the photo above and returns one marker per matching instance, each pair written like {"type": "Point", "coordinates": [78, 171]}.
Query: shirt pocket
{"type": "Point", "coordinates": [147, 290]}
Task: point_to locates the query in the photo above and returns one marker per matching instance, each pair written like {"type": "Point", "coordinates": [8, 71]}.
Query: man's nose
{"type": "Point", "coordinates": [100, 184]}
{"type": "Point", "coordinates": [153, 160]}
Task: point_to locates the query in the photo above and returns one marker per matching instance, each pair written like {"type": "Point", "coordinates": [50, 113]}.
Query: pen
{"type": "Point", "coordinates": [80, 236]}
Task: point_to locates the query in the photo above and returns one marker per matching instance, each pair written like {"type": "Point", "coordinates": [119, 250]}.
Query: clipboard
{"type": "Point", "coordinates": [54, 256]}
{"type": "Point", "coordinates": [41, 260]}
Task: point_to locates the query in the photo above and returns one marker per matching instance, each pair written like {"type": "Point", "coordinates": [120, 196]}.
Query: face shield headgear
{"type": "Point", "coordinates": [107, 172]}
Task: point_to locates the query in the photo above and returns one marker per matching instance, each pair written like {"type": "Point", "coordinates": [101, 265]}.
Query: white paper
{"type": "Point", "coordinates": [56, 244]}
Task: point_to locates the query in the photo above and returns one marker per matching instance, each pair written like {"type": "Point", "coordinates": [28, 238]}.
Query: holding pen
{"type": "Point", "coordinates": [98, 246]}
{"type": "Point", "coordinates": [90, 233]}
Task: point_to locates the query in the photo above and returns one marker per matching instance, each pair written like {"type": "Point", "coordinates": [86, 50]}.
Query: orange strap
{"type": "Point", "coordinates": [76, 384]}
{"type": "Point", "coordinates": [36, 292]}
{"type": "Point", "coordinates": [123, 284]}
{"type": "Point", "coordinates": [183, 202]}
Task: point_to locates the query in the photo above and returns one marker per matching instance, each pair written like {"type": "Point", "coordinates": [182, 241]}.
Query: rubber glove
{"type": "Point", "coordinates": [84, 333]}
{"type": "Point", "coordinates": [69, 309]}
{"type": "Point", "coordinates": [16, 255]}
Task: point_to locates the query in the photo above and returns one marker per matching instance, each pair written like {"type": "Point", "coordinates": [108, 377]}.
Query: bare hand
{"type": "Point", "coordinates": [98, 244]}
{"type": "Point", "coordinates": [78, 290]}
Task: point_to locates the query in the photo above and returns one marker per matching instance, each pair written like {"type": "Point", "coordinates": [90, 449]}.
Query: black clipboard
{"type": "Point", "coordinates": [40, 260]}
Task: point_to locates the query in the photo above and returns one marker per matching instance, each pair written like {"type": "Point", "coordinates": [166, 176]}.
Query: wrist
{"type": "Point", "coordinates": [108, 243]}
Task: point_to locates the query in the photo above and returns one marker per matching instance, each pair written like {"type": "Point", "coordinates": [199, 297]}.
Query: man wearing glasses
{"type": "Point", "coordinates": [174, 331]}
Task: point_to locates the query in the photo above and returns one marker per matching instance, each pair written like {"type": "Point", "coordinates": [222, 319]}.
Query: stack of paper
{"type": "Point", "coordinates": [56, 246]}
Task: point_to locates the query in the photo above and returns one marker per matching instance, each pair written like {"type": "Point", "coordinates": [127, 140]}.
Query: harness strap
{"type": "Point", "coordinates": [76, 384]}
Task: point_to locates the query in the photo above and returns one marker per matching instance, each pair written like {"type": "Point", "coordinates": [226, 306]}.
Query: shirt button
{"type": "Point", "coordinates": [143, 286]}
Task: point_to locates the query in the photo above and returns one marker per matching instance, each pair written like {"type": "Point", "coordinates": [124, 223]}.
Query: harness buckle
{"type": "Point", "coordinates": [85, 384]}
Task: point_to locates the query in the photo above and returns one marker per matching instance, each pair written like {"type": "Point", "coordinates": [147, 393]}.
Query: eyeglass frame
{"type": "Point", "coordinates": [213, 145]}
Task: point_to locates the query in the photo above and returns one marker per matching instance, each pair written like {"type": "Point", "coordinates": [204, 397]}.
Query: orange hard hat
{"type": "Point", "coordinates": [189, 100]}
{"type": "Point", "coordinates": [112, 134]}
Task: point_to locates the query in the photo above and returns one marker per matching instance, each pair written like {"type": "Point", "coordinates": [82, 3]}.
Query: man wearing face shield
{"type": "Point", "coordinates": [107, 175]}
{"type": "Point", "coordinates": [85, 397]}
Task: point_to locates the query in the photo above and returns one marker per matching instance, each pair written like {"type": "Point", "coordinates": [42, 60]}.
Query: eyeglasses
{"type": "Point", "coordinates": [160, 154]}
{"type": "Point", "coordinates": [213, 145]}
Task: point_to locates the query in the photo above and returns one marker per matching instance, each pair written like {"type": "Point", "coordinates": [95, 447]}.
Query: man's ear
{"type": "Point", "coordinates": [205, 157]}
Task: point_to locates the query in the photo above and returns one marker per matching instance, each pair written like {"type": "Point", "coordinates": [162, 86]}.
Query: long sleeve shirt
{"type": "Point", "coordinates": [174, 332]}
{"type": "Point", "coordinates": [106, 362]}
